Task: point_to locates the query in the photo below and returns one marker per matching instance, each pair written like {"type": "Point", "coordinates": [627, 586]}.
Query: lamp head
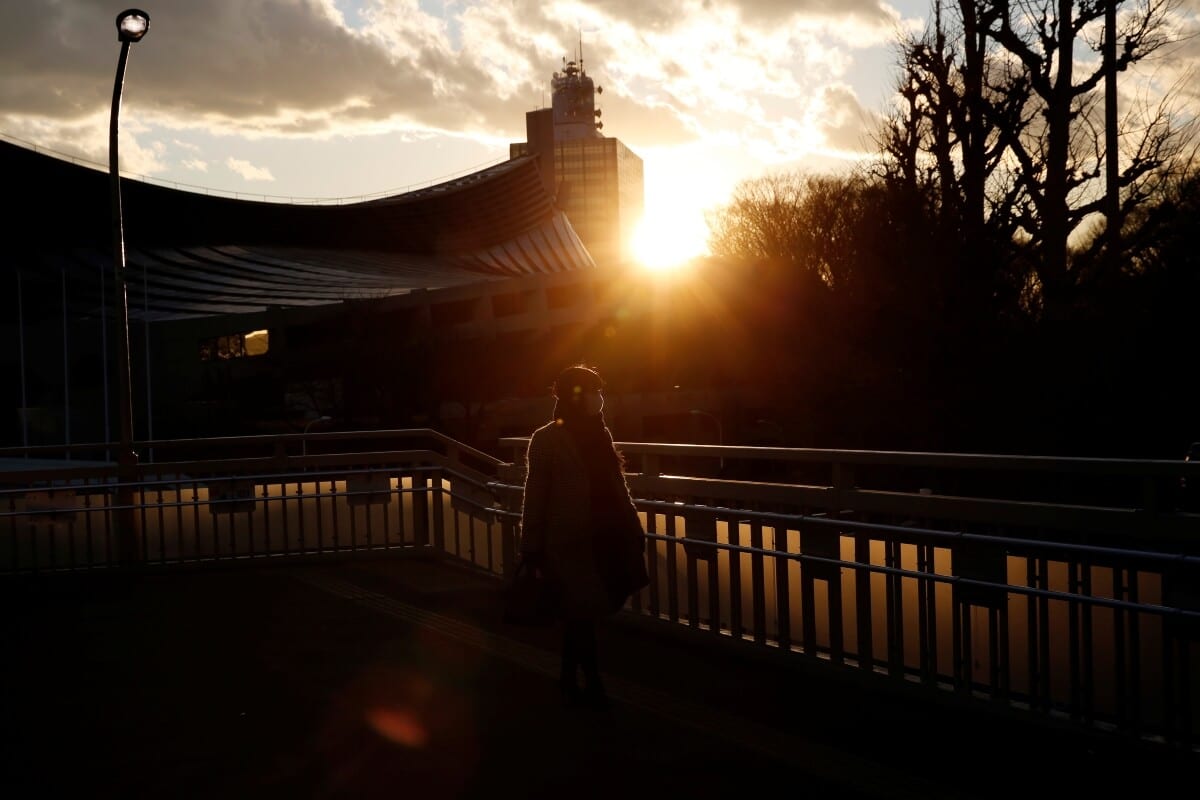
{"type": "Point", "coordinates": [132, 24]}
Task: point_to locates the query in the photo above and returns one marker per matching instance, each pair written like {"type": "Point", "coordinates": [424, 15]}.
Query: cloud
{"type": "Point", "coordinates": [248, 171]}
{"type": "Point", "coordinates": [666, 14]}
{"type": "Point", "coordinates": [282, 66]}
{"type": "Point", "coordinates": [869, 13]}
{"type": "Point", "coordinates": [138, 157]}
{"type": "Point", "coordinates": [295, 67]}
{"type": "Point", "coordinates": [709, 75]}
{"type": "Point", "coordinates": [673, 71]}
{"type": "Point", "coordinates": [841, 119]}
{"type": "Point", "coordinates": [647, 124]}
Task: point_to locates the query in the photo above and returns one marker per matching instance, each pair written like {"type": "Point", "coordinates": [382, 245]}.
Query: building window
{"type": "Point", "coordinates": [235, 345]}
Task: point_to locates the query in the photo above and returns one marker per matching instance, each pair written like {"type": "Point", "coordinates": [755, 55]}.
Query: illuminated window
{"type": "Point", "coordinates": [257, 343]}
{"type": "Point", "coordinates": [235, 345]}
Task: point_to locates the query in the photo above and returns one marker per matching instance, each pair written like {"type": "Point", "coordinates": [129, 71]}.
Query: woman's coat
{"type": "Point", "coordinates": [556, 519]}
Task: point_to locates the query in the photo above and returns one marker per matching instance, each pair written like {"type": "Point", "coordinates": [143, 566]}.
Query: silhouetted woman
{"type": "Point", "coordinates": [579, 525]}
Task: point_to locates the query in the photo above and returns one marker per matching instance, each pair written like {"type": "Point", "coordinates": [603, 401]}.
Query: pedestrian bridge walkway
{"type": "Point", "coordinates": [318, 616]}
{"type": "Point", "coordinates": [395, 678]}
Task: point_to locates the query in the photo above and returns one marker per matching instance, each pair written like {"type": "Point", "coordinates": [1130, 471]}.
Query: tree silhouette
{"type": "Point", "coordinates": [1011, 136]}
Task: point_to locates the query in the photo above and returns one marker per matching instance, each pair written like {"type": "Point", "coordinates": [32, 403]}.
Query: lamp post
{"type": "Point", "coordinates": [132, 25]}
{"type": "Point", "coordinates": [720, 431]}
{"type": "Point", "coordinates": [307, 425]}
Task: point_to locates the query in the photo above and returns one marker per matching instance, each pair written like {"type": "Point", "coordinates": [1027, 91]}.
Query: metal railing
{"type": "Point", "coordinates": [237, 499]}
{"type": "Point", "coordinates": [1065, 588]}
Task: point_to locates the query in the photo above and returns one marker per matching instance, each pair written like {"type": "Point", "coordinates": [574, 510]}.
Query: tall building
{"type": "Point", "coordinates": [599, 179]}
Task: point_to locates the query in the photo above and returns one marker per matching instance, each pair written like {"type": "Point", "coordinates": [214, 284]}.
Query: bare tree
{"type": "Point", "coordinates": [1062, 158]}
{"type": "Point", "coordinates": [802, 222]}
{"type": "Point", "coordinates": [760, 221]}
{"type": "Point", "coordinates": [1011, 136]}
{"type": "Point", "coordinates": [945, 143]}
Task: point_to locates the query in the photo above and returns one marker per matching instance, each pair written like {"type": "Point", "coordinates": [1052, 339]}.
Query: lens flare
{"type": "Point", "coordinates": [398, 725]}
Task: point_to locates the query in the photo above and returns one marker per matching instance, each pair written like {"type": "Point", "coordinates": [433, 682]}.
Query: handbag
{"type": "Point", "coordinates": [530, 598]}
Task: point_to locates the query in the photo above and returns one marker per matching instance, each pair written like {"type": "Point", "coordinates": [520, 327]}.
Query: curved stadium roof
{"type": "Point", "coordinates": [190, 254]}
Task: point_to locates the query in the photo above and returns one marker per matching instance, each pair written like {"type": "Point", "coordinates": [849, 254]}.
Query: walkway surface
{"type": "Point", "coordinates": [396, 678]}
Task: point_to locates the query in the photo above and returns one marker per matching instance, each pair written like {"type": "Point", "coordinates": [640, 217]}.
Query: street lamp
{"type": "Point", "coordinates": [307, 425]}
{"type": "Point", "coordinates": [720, 431]}
{"type": "Point", "coordinates": [132, 25]}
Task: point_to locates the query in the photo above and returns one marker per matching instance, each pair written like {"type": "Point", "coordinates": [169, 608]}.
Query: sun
{"type": "Point", "coordinates": [679, 192]}
{"type": "Point", "coordinates": [668, 236]}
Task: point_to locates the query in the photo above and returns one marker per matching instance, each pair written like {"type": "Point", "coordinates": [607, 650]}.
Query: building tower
{"type": "Point", "coordinates": [574, 104]}
{"type": "Point", "coordinates": [598, 179]}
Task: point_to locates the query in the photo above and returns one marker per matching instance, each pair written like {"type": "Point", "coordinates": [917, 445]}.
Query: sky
{"type": "Point", "coordinates": [323, 99]}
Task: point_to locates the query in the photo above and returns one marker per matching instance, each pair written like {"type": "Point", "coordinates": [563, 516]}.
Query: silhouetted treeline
{"type": "Point", "coordinates": [885, 334]}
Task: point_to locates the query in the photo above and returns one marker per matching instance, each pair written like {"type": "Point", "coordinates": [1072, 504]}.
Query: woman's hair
{"type": "Point", "coordinates": [576, 379]}
{"type": "Point", "coordinates": [569, 388]}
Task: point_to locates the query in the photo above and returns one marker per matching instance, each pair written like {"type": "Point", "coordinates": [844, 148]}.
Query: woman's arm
{"type": "Point", "coordinates": [534, 502]}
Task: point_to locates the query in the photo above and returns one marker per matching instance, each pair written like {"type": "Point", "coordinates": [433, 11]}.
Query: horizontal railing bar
{"type": "Point", "coordinates": [295, 553]}
{"type": "Point", "coordinates": [1063, 516]}
{"type": "Point", "coordinates": [471, 501]}
{"type": "Point", "coordinates": [38, 512]}
{"type": "Point", "coordinates": [264, 439]}
{"type": "Point", "coordinates": [1026, 513]}
{"type": "Point", "coordinates": [301, 477]}
{"type": "Point", "coordinates": [222, 501]}
{"type": "Point", "coordinates": [966, 508]}
{"type": "Point", "coordinates": [52, 474]}
{"type": "Point", "coordinates": [908, 531]}
{"type": "Point", "coordinates": [326, 436]}
{"type": "Point", "coordinates": [150, 505]}
{"type": "Point", "coordinates": [214, 465]}
{"type": "Point", "coordinates": [1093, 466]}
{"type": "Point", "coordinates": [258, 478]}
{"type": "Point", "coordinates": [932, 576]}
{"type": "Point", "coordinates": [792, 520]}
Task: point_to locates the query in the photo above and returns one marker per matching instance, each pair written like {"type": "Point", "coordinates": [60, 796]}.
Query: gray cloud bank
{"type": "Point", "coordinates": [282, 67]}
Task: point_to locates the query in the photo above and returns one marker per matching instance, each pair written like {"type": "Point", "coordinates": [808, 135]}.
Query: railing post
{"type": "Point", "coordinates": [420, 501]}
{"type": "Point", "coordinates": [843, 484]}
{"type": "Point", "coordinates": [129, 539]}
{"type": "Point", "coordinates": [508, 546]}
{"type": "Point", "coordinates": [439, 514]}
{"type": "Point", "coordinates": [510, 534]}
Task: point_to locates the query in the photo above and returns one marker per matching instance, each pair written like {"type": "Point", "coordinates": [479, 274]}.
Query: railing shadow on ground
{"type": "Point", "coordinates": [1071, 598]}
